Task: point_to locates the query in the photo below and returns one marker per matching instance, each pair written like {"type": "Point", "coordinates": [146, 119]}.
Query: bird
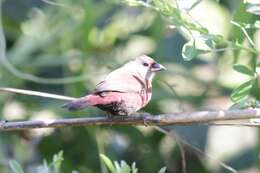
{"type": "Point", "coordinates": [123, 91]}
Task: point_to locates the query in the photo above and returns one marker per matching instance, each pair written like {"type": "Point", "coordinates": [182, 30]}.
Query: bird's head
{"type": "Point", "coordinates": [146, 66]}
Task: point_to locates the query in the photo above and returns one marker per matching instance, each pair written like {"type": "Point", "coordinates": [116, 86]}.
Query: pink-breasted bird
{"type": "Point", "coordinates": [125, 90]}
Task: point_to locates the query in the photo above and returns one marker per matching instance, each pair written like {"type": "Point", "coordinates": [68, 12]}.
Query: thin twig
{"type": "Point", "coordinates": [36, 93]}
{"type": "Point", "coordinates": [196, 149]}
{"type": "Point", "coordinates": [179, 143]}
{"type": "Point", "coordinates": [236, 124]}
{"type": "Point", "coordinates": [173, 91]}
{"type": "Point", "coordinates": [245, 33]}
{"type": "Point", "coordinates": [30, 77]}
{"type": "Point", "coordinates": [2, 37]}
{"type": "Point", "coordinates": [55, 3]}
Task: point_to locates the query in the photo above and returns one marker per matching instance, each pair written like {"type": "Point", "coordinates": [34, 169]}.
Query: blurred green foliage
{"type": "Point", "coordinates": [53, 167]}
{"type": "Point", "coordinates": [122, 167]}
{"type": "Point", "coordinates": [210, 48]}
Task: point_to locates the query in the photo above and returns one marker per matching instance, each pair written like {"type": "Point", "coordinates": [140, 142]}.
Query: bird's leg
{"type": "Point", "coordinates": [114, 117]}
{"type": "Point", "coordinates": [144, 121]}
{"type": "Point", "coordinates": [144, 115]}
{"type": "Point", "coordinates": [119, 117]}
{"type": "Point", "coordinates": [109, 115]}
{"type": "Point", "coordinates": [124, 116]}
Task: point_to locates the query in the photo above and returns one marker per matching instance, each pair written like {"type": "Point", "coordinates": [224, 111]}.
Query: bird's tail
{"type": "Point", "coordinates": [78, 104]}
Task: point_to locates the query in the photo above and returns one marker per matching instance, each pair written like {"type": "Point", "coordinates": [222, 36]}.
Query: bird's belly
{"type": "Point", "coordinates": [129, 104]}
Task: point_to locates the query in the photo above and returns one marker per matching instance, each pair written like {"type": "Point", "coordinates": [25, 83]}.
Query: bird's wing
{"type": "Point", "coordinates": [120, 80]}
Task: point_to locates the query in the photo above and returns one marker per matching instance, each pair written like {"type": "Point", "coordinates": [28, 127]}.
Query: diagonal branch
{"type": "Point", "coordinates": [182, 118]}
{"type": "Point", "coordinates": [37, 93]}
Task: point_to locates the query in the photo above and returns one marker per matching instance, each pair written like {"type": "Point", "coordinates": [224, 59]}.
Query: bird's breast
{"type": "Point", "coordinates": [145, 92]}
{"type": "Point", "coordinates": [145, 95]}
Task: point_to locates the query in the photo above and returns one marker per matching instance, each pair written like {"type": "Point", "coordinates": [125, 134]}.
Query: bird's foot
{"type": "Point", "coordinates": [119, 117]}
{"type": "Point", "coordinates": [146, 124]}
{"type": "Point", "coordinates": [145, 116]}
{"type": "Point", "coordinates": [116, 117]}
{"type": "Point", "coordinates": [109, 116]}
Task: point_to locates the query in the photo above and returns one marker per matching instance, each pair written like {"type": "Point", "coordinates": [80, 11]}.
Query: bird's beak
{"type": "Point", "coordinates": [157, 67]}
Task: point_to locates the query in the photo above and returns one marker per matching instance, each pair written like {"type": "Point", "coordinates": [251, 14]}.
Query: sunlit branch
{"type": "Point", "coordinates": [181, 118]}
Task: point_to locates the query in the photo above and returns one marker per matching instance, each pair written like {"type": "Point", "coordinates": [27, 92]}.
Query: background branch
{"type": "Point", "coordinates": [36, 93]}
{"type": "Point", "coordinates": [160, 120]}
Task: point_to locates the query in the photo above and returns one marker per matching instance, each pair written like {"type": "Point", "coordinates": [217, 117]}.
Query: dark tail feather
{"type": "Point", "coordinates": [76, 105]}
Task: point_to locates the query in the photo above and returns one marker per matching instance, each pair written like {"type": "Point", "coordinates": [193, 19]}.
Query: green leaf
{"type": "Point", "coordinates": [132, 2]}
{"type": "Point", "coordinates": [244, 103]}
{"type": "Point", "coordinates": [74, 171]}
{"type": "Point", "coordinates": [133, 167]}
{"type": "Point", "coordinates": [257, 24]}
{"type": "Point", "coordinates": [242, 91]}
{"type": "Point", "coordinates": [243, 69]}
{"type": "Point", "coordinates": [117, 166]}
{"type": "Point", "coordinates": [57, 161]}
{"type": "Point", "coordinates": [208, 40]}
{"type": "Point", "coordinates": [243, 29]}
{"type": "Point", "coordinates": [165, 7]}
{"type": "Point", "coordinates": [125, 168]}
{"type": "Point", "coordinates": [15, 166]}
{"type": "Point", "coordinates": [210, 43]}
{"type": "Point", "coordinates": [108, 163]}
{"type": "Point", "coordinates": [189, 51]}
{"type": "Point", "coordinates": [162, 170]}
{"type": "Point", "coordinates": [43, 168]}
{"type": "Point", "coordinates": [258, 64]}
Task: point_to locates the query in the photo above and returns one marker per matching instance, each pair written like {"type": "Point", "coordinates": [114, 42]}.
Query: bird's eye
{"type": "Point", "coordinates": [145, 64]}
